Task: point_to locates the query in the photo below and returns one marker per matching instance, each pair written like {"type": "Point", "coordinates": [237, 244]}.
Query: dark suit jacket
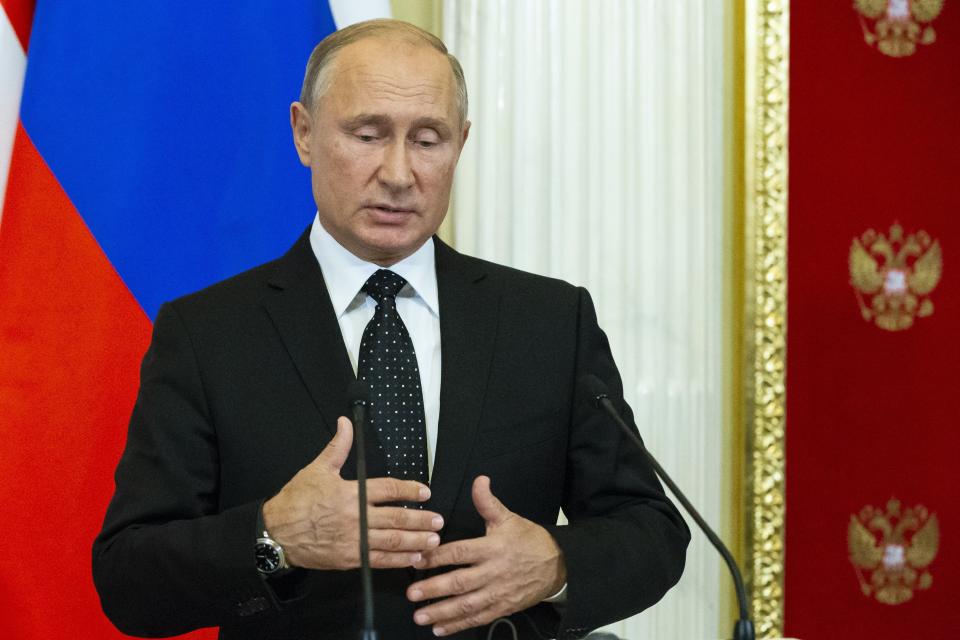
{"type": "Point", "coordinates": [241, 387]}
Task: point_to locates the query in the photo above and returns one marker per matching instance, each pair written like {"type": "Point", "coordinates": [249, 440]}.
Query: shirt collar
{"type": "Point", "coordinates": [345, 273]}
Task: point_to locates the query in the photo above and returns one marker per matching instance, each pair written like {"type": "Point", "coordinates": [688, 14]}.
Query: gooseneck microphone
{"type": "Point", "coordinates": [357, 399]}
{"type": "Point", "coordinates": [600, 398]}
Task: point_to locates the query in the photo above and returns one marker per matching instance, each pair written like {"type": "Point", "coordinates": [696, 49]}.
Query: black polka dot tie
{"type": "Point", "coordinates": [388, 365]}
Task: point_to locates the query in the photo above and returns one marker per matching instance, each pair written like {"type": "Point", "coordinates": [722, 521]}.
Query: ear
{"type": "Point", "coordinates": [301, 123]}
{"type": "Point", "coordinates": [465, 134]}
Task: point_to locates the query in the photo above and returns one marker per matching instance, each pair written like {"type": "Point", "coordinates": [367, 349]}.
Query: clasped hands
{"type": "Point", "coordinates": [515, 565]}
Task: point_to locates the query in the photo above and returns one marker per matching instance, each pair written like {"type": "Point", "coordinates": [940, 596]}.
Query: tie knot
{"type": "Point", "coordinates": [383, 284]}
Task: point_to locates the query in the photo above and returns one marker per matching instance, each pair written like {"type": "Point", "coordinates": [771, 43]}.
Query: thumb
{"type": "Point", "coordinates": [488, 506]}
{"type": "Point", "coordinates": [335, 453]}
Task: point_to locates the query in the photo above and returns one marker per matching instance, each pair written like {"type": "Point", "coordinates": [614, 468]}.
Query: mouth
{"type": "Point", "coordinates": [385, 211]}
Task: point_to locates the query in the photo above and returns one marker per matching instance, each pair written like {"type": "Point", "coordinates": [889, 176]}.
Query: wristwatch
{"type": "Point", "coordinates": [270, 557]}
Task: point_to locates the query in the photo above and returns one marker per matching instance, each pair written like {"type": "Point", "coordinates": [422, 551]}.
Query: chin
{"type": "Point", "coordinates": [394, 246]}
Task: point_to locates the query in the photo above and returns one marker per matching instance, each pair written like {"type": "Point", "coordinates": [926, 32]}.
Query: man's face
{"type": "Point", "coordinates": [382, 145]}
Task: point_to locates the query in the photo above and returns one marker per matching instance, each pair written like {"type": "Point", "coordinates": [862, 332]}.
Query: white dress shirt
{"type": "Point", "coordinates": [417, 304]}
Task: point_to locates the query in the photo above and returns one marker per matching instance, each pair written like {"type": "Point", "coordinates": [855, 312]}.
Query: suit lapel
{"type": "Point", "coordinates": [304, 318]}
{"type": "Point", "coordinates": [468, 321]}
{"type": "Point", "coordinates": [301, 310]}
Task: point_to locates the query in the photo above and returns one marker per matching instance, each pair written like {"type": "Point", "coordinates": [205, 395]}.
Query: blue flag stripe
{"type": "Point", "coordinates": [167, 125]}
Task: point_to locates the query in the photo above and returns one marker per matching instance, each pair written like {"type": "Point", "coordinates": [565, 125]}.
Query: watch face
{"type": "Point", "coordinates": [268, 558]}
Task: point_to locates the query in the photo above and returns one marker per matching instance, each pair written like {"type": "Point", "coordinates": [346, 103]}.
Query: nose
{"type": "Point", "coordinates": [396, 172]}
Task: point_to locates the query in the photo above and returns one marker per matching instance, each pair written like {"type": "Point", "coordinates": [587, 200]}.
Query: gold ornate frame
{"type": "Point", "coordinates": [766, 82]}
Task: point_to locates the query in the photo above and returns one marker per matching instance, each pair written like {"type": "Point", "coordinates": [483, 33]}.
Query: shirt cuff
{"type": "Point", "coordinates": [559, 597]}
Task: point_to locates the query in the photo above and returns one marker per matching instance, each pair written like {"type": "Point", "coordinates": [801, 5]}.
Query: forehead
{"type": "Point", "coordinates": [391, 74]}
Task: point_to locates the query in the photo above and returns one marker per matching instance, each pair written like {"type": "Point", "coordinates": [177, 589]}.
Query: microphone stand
{"type": "Point", "coordinates": [743, 629]}
{"type": "Point", "coordinates": [358, 404]}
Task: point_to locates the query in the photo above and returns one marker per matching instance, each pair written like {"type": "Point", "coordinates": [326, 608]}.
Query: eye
{"type": "Point", "coordinates": [366, 134]}
{"type": "Point", "coordinates": [426, 138]}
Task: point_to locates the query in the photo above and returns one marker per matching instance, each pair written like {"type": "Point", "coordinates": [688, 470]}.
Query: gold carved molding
{"type": "Point", "coordinates": [766, 69]}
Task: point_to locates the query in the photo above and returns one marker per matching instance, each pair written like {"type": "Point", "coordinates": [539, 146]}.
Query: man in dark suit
{"type": "Point", "coordinates": [234, 504]}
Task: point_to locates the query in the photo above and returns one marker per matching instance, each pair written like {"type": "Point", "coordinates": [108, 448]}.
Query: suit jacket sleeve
{"type": "Point", "coordinates": [626, 543]}
{"type": "Point", "coordinates": [168, 559]}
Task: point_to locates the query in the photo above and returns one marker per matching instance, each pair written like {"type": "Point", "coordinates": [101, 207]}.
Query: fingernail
{"type": "Point", "coordinates": [421, 618]}
{"type": "Point", "coordinates": [420, 563]}
{"type": "Point", "coordinates": [415, 558]}
{"type": "Point", "coordinates": [437, 522]}
{"type": "Point", "coordinates": [416, 594]}
{"type": "Point", "coordinates": [424, 493]}
{"type": "Point", "coordinates": [439, 631]}
{"type": "Point", "coordinates": [433, 540]}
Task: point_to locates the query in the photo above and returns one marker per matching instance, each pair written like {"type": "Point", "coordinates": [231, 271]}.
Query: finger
{"type": "Point", "coordinates": [460, 552]}
{"type": "Point", "coordinates": [487, 504]}
{"type": "Point", "coordinates": [473, 609]}
{"type": "Point", "coordinates": [335, 453]}
{"type": "Point", "coordinates": [393, 559]}
{"type": "Point", "coordinates": [400, 518]}
{"type": "Point", "coordinates": [397, 540]}
{"type": "Point", "coordinates": [479, 619]}
{"type": "Point", "coordinates": [381, 490]}
{"type": "Point", "coordinates": [452, 583]}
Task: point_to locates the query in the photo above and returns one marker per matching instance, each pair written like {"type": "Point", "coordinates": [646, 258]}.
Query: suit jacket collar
{"type": "Point", "coordinates": [300, 308]}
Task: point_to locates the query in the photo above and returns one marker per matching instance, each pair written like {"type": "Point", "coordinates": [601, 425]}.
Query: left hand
{"type": "Point", "coordinates": [513, 567]}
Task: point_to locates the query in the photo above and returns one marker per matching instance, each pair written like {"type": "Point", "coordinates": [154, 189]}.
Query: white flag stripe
{"type": "Point", "coordinates": [13, 64]}
{"type": "Point", "coordinates": [347, 12]}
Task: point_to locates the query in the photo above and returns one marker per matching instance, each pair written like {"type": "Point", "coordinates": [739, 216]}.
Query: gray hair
{"type": "Point", "coordinates": [317, 78]}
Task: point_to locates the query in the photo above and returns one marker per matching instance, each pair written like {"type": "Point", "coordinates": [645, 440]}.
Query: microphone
{"type": "Point", "coordinates": [600, 398]}
{"type": "Point", "coordinates": [357, 399]}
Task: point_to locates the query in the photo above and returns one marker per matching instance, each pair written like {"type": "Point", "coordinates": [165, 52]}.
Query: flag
{"type": "Point", "coordinates": [152, 157]}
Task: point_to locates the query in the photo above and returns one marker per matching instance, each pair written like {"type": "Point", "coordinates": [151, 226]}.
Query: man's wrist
{"type": "Point", "coordinates": [271, 561]}
{"type": "Point", "coordinates": [560, 580]}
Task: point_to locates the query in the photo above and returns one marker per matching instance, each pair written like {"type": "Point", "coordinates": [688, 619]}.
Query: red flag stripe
{"type": "Point", "coordinates": [71, 335]}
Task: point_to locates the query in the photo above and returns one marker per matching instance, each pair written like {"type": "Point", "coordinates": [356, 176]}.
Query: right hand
{"type": "Point", "coordinates": [315, 517]}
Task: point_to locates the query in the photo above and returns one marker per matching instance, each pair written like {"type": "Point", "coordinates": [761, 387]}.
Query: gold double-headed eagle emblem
{"type": "Point", "coordinates": [891, 550]}
{"type": "Point", "coordinates": [897, 26]}
{"type": "Point", "coordinates": [893, 276]}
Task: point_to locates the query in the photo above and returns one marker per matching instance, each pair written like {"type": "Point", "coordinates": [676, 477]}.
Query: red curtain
{"type": "Point", "coordinates": [873, 377]}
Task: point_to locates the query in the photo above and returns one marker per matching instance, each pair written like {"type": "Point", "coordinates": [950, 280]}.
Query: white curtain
{"type": "Point", "coordinates": [596, 156]}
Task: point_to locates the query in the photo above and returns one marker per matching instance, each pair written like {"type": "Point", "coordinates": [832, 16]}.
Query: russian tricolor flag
{"type": "Point", "coordinates": [151, 157]}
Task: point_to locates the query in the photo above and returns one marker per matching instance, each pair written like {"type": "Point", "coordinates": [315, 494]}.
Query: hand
{"type": "Point", "coordinates": [315, 517]}
{"type": "Point", "coordinates": [514, 566]}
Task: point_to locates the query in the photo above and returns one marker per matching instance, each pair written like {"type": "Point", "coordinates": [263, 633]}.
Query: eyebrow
{"type": "Point", "coordinates": [377, 120]}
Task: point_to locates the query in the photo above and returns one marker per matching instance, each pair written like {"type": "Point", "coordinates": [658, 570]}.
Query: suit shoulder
{"type": "Point", "coordinates": [523, 281]}
{"type": "Point", "coordinates": [523, 289]}
{"type": "Point", "coordinates": [241, 290]}
{"type": "Point", "coordinates": [248, 287]}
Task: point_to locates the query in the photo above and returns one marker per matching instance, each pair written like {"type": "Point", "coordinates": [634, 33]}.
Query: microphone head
{"type": "Point", "coordinates": [594, 388]}
{"type": "Point", "coordinates": [358, 393]}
